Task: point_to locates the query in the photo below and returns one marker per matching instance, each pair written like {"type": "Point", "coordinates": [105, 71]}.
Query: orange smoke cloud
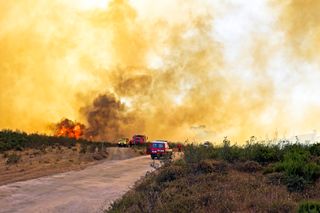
{"type": "Point", "coordinates": [300, 21]}
{"type": "Point", "coordinates": [124, 69]}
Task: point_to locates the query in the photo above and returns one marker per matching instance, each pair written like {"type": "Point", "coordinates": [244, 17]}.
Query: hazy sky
{"type": "Point", "coordinates": [197, 70]}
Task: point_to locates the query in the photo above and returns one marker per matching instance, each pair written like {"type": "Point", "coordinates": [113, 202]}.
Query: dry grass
{"type": "Point", "coordinates": [211, 186]}
{"type": "Point", "coordinates": [34, 163]}
{"type": "Point", "coordinates": [256, 177]}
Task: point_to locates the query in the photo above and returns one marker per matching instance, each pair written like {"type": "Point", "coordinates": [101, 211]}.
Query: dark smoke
{"type": "Point", "coordinates": [107, 118]}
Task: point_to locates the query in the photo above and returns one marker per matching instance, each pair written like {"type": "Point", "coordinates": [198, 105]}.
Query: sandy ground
{"type": "Point", "coordinates": [53, 160]}
{"type": "Point", "coordinates": [89, 190]}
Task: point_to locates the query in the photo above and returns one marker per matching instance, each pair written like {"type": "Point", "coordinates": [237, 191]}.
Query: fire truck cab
{"type": "Point", "coordinates": [138, 140]}
{"type": "Point", "coordinates": [160, 148]}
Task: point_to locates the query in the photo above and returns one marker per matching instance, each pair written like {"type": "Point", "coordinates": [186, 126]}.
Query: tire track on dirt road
{"type": "Point", "coordinates": [89, 190]}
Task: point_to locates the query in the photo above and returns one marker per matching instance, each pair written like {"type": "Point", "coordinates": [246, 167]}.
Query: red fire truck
{"type": "Point", "coordinates": [138, 140]}
{"type": "Point", "coordinates": [160, 148]}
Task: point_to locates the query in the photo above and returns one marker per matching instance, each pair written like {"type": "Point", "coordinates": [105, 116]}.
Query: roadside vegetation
{"type": "Point", "coordinates": [18, 141]}
{"type": "Point", "coordinates": [13, 144]}
{"type": "Point", "coordinates": [255, 177]}
{"type": "Point", "coordinates": [25, 156]}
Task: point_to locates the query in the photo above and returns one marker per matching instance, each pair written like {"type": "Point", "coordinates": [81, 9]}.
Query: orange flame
{"type": "Point", "coordinates": [68, 128]}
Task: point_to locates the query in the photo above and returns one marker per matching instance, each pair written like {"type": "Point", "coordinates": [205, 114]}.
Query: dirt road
{"type": "Point", "coordinates": [35, 163]}
{"type": "Point", "coordinates": [88, 190]}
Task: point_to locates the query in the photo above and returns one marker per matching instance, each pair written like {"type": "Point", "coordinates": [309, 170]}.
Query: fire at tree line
{"type": "Point", "coordinates": [156, 149]}
{"type": "Point", "coordinates": [71, 129]}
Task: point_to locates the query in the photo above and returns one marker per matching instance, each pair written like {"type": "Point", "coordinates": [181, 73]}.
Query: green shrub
{"type": "Point", "coordinates": [10, 140]}
{"type": "Point", "coordinates": [298, 169]}
{"type": "Point", "coordinates": [295, 183]}
{"type": "Point", "coordinates": [262, 153]}
{"type": "Point", "coordinates": [311, 171]}
{"type": "Point", "coordinates": [194, 153]}
{"type": "Point", "coordinates": [229, 153]}
{"type": "Point", "coordinates": [315, 149]}
{"type": "Point", "coordinates": [309, 207]}
{"type": "Point", "coordinates": [268, 169]}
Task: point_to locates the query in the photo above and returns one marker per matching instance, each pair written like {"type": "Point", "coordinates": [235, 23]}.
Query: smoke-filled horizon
{"type": "Point", "coordinates": [177, 70]}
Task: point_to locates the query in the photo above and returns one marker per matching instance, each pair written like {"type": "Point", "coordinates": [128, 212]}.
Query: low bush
{"type": "Point", "coordinates": [262, 153]}
{"type": "Point", "coordinates": [10, 140]}
{"type": "Point", "coordinates": [98, 156]}
{"type": "Point", "coordinates": [276, 178]}
{"type": "Point", "coordinates": [309, 207]}
{"type": "Point", "coordinates": [92, 148]}
{"type": "Point", "coordinates": [315, 149]}
{"type": "Point", "coordinates": [229, 153]}
{"type": "Point", "coordinates": [170, 173]}
{"type": "Point", "coordinates": [298, 169]}
{"type": "Point", "coordinates": [210, 166]}
{"type": "Point", "coordinates": [295, 183]}
{"type": "Point", "coordinates": [281, 207]}
{"type": "Point", "coordinates": [221, 167]}
{"type": "Point", "coordinates": [205, 166]}
{"type": "Point", "coordinates": [268, 169]}
{"type": "Point", "coordinates": [83, 148]}
{"type": "Point", "coordinates": [13, 158]}
{"type": "Point", "coordinates": [249, 166]}
{"type": "Point", "coordinates": [195, 154]}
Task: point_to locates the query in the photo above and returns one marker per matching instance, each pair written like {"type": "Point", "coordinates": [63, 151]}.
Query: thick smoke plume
{"type": "Point", "coordinates": [107, 118]}
{"type": "Point", "coordinates": [300, 21]}
{"type": "Point", "coordinates": [151, 67]}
